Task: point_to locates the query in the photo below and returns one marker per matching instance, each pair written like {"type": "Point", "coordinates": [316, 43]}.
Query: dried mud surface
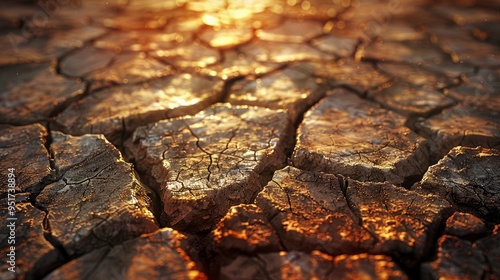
{"type": "Point", "coordinates": [304, 139]}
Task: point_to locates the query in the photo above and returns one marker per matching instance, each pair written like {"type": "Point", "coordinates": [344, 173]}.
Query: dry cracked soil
{"type": "Point", "coordinates": [225, 139]}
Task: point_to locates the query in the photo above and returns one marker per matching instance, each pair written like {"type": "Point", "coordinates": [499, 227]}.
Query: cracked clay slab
{"type": "Point", "coordinates": [23, 148]}
{"type": "Point", "coordinates": [128, 69]}
{"type": "Point", "coordinates": [469, 179]}
{"type": "Point", "coordinates": [34, 254]}
{"type": "Point", "coordinates": [163, 254]}
{"type": "Point", "coordinates": [204, 164]}
{"type": "Point", "coordinates": [309, 212]}
{"type": "Point", "coordinates": [83, 61]}
{"type": "Point", "coordinates": [465, 226]}
{"type": "Point", "coordinates": [490, 246]}
{"type": "Point", "coordinates": [409, 100]}
{"type": "Point", "coordinates": [97, 192]}
{"type": "Point", "coordinates": [292, 31]}
{"type": "Point", "coordinates": [235, 65]}
{"type": "Point", "coordinates": [403, 222]}
{"type": "Point", "coordinates": [461, 259]}
{"type": "Point", "coordinates": [280, 52]}
{"type": "Point", "coordinates": [317, 211]}
{"type": "Point", "coordinates": [48, 44]}
{"type": "Point", "coordinates": [226, 38]}
{"type": "Point", "coordinates": [419, 76]}
{"type": "Point", "coordinates": [293, 89]}
{"type": "Point", "coordinates": [344, 134]}
{"type": "Point", "coordinates": [117, 111]}
{"type": "Point", "coordinates": [316, 265]}
{"type": "Point", "coordinates": [341, 44]}
{"type": "Point", "coordinates": [188, 55]}
{"type": "Point", "coordinates": [245, 229]}
{"type": "Point", "coordinates": [359, 77]}
{"type": "Point", "coordinates": [413, 52]}
{"type": "Point", "coordinates": [462, 125]}
{"type": "Point", "coordinates": [32, 93]}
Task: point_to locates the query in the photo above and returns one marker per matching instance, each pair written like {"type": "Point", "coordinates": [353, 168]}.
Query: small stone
{"type": "Point", "coordinates": [89, 204]}
{"type": "Point", "coordinates": [344, 134]}
{"type": "Point", "coordinates": [468, 178]}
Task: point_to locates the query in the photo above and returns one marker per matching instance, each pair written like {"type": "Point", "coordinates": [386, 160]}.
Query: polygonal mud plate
{"type": "Point", "coordinates": [344, 134]}
{"type": "Point", "coordinates": [96, 194]}
{"type": "Point", "coordinates": [469, 179]}
{"type": "Point", "coordinates": [204, 164]}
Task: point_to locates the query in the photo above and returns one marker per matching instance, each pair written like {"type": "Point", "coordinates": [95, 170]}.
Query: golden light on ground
{"type": "Point", "coordinates": [237, 13]}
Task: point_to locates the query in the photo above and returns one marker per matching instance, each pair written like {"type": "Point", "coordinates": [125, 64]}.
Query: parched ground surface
{"type": "Point", "coordinates": [299, 139]}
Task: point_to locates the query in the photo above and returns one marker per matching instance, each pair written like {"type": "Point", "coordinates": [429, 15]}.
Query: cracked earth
{"type": "Point", "coordinates": [299, 139]}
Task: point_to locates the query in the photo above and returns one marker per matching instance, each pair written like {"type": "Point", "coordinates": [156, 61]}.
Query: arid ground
{"type": "Point", "coordinates": [272, 139]}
